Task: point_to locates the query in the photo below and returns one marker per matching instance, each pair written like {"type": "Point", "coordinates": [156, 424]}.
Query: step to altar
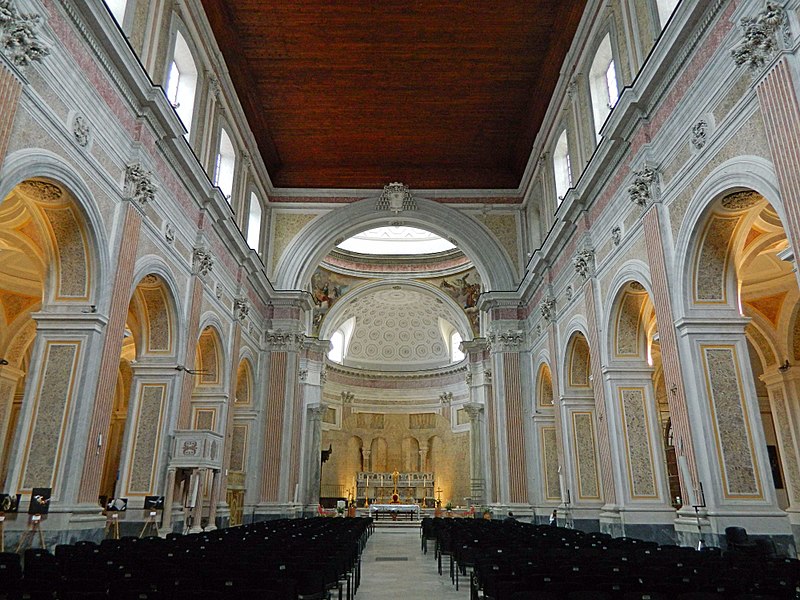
{"type": "Point", "coordinates": [404, 524]}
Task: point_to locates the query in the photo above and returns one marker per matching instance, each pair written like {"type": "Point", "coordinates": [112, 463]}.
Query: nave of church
{"type": "Point", "coordinates": [267, 261]}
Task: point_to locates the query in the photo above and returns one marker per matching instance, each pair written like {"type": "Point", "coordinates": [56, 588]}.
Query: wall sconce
{"type": "Point", "coordinates": [3, 362]}
{"type": "Point", "coordinates": [785, 366]}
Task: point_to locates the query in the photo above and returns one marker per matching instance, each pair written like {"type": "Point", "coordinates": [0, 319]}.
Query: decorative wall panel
{"type": "Point", "coordinates": [641, 474]}
{"type": "Point", "coordinates": [545, 386]}
{"type": "Point", "coordinates": [204, 419]}
{"type": "Point", "coordinates": [712, 260]}
{"type": "Point", "coordinates": [146, 442]}
{"type": "Point", "coordinates": [51, 409]}
{"type": "Point", "coordinates": [208, 358]}
{"type": "Point", "coordinates": [788, 452]}
{"type": "Point", "coordinates": [585, 455]}
{"type": "Point", "coordinates": [629, 338]}
{"type": "Point", "coordinates": [422, 421]}
{"type": "Point", "coordinates": [159, 329]}
{"type": "Point", "coordinates": [579, 363]}
{"type": "Point", "coordinates": [238, 447]}
{"type": "Point", "coordinates": [731, 425]}
{"type": "Point", "coordinates": [552, 488]}
{"type": "Point", "coordinates": [70, 243]}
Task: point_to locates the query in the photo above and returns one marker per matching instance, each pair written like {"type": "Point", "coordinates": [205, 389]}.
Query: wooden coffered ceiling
{"type": "Point", "coordinates": [437, 94]}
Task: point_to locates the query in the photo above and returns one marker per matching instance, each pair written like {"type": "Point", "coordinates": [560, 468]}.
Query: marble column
{"type": "Point", "coordinates": [197, 512]}
{"type": "Point", "coordinates": [216, 479]}
{"type": "Point", "coordinates": [477, 479]}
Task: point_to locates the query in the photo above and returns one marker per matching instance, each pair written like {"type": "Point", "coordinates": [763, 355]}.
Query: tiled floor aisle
{"type": "Point", "coordinates": [414, 575]}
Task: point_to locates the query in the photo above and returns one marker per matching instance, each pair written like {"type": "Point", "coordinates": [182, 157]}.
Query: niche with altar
{"type": "Point", "coordinates": [432, 459]}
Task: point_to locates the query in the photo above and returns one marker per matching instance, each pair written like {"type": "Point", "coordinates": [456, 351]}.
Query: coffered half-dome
{"type": "Point", "coordinates": [397, 328]}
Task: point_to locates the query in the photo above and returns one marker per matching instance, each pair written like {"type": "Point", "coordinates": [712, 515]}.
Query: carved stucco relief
{"type": "Point", "coordinates": [750, 139]}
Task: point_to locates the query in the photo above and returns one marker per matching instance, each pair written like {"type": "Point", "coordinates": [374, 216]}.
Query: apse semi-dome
{"type": "Point", "coordinates": [399, 329]}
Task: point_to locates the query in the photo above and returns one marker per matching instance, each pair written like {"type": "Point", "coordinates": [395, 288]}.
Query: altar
{"type": "Point", "coordinates": [394, 511]}
{"type": "Point", "coordinates": [414, 488]}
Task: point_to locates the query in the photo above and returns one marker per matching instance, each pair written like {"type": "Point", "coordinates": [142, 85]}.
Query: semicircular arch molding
{"type": "Point", "coordinates": [333, 319]}
{"type": "Point", "coordinates": [42, 164]}
{"type": "Point", "coordinates": [152, 265]}
{"type": "Point", "coordinates": [211, 358]}
{"type": "Point", "coordinates": [315, 240]}
{"type": "Point", "coordinates": [633, 272]}
{"type": "Point", "coordinates": [743, 173]}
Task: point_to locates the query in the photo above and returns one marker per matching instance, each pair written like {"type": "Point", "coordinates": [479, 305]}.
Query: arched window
{"type": "Point", "coordinates": [182, 82]}
{"type": "Point", "coordinates": [665, 10]}
{"type": "Point", "coordinates": [117, 9]}
{"type": "Point", "coordinates": [455, 352]}
{"type": "Point", "coordinates": [562, 166]}
{"type": "Point", "coordinates": [336, 353]}
{"type": "Point", "coordinates": [225, 165]}
{"type": "Point", "coordinates": [340, 340]}
{"type": "Point", "coordinates": [603, 84]}
{"type": "Point", "coordinates": [254, 222]}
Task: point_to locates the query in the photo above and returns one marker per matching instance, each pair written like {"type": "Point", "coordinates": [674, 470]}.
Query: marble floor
{"type": "Point", "coordinates": [394, 568]}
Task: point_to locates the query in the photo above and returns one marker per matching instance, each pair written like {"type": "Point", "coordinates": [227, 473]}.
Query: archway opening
{"type": "Point", "coordinates": [46, 262]}
{"type": "Point", "coordinates": [744, 270]}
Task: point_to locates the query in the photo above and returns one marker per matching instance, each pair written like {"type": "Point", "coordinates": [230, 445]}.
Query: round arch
{"type": "Point", "coordinates": [155, 265]}
{"type": "Point", "coordinates": [633, 270]}
{"type": "Point", "coordinates": [738, 174]}
{"type": "Point", "coordinates": [569, 381]}
{"type": "Point", "coordinates": [331, 322]}
{"type": "Point", "coordinates": [40, 163]}
{"type": "Point", "coordinates": [219, 377]}
{"type": "Point", "coordinates": [315, 240]}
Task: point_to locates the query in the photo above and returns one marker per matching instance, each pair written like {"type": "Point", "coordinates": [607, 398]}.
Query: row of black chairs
{"type": "Point", "coordinates": [288, 559]}
{"type": "Point", "coordinates": [510, 560]}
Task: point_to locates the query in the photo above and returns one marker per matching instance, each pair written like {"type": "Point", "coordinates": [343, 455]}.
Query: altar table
{"type": "Point", "coordinates": [394, 511]}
